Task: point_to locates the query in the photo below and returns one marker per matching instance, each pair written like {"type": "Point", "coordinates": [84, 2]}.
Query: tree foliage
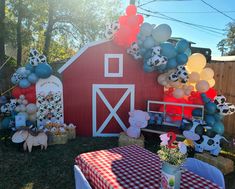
{"type": "Point", "coordinates": [227, 45]}
{"type": "Point", "coordinates": [57, 27]}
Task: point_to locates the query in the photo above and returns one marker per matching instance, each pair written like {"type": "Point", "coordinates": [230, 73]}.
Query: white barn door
{"type": "Point", "coordinates": [97, 92]}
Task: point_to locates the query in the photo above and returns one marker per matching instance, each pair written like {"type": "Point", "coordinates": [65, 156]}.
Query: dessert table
{"type": "Point", "coordinates": [130, 167]}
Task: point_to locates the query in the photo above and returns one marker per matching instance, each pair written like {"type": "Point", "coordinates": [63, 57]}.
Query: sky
{"type": "Point", "coordinates": [195, 12]}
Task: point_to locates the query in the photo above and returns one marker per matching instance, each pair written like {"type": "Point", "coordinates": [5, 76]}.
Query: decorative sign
{"type": "Point", "coordinates": [20, 120]}
{"type": "Point", "coordinates": [49, 94]}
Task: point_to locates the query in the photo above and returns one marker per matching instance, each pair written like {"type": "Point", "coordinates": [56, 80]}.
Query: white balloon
{"type": "Point", "coordinates": [25, 102]}
{"type": "Point", "coordinates": [17, 109]}
{"type": "Point", "coordinates": [31, 108]}
{"type": "Point", "coordinates": [22, 108]}
{"type": "Point", "coordinates": [162, 33]}
{"type": "Point", "coordinates": [22, 97]}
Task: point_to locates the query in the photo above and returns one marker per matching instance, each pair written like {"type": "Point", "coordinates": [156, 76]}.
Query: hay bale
{"type": "Point", "coordinates": [71, 132]}
{"type": "Point", "coordinates": [125, 140]}
{"type": "Point", "coordinates": [224, 164]}
{"type": "Point", "coordinates": [59, 139]}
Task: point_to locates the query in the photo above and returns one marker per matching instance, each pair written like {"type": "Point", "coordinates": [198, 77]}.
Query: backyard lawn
{"type": "Point", "coordinates": [53, 168]}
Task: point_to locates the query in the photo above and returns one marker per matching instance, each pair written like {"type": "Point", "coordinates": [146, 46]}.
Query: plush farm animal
{"type": "Point", "coordinates": [209, 144]}
{"type": "Point", "coordinates": [138, 119]}
{"type": "Point", "coordinates": [30, 140]}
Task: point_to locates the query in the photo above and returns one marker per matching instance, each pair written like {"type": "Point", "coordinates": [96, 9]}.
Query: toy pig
{"type": "Point", "coordinates": [138, 119]}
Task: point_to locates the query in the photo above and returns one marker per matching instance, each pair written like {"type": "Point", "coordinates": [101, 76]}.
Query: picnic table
{"type": "Point", "coordinates": [130, 167]}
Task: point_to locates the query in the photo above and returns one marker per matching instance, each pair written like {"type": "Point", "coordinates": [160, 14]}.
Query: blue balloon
{"type": "Point", "coordinates": [148, 68]}
{"type": "Point", "coordinates": [188, 52]}
{"type": "Point", "coordinates": [24, 83]}
{"type": "Point", "coordinates": [197, 112]}
{"type": "Point", "coordinates": [171, 63]}
{"type": "Point", "coordinates": [43, 70]}
{"type": "Point", "coordinates": [148, 54]}
{"type": "Point", "coordinates": [218, 117]}
{"type": "Point", "coordinates": [149, 42]}
{"type": "Point", "coordinates": [182, 59]}
{"type": "Point", "coordinates": [28, 123]}
{"type": "Point", "coordinates": [168, 50]}
{"type": "Point", "coordinates": [6, 122]}
{"type": "Point", "coordinates": [182, 45]}
{"type": "Point", "coordinates": [161, 68]}
{"type": "Point", "coordinates": [205, 99]}
{"type": "Point", "coordinates": [30, 67]}
{"type": "Point", "coordinates": [3, 100]}
{"type": "Point", "coordinates": [142, 51]}
{"type": "Point", "coordinates": [210, 120]}
{"type": "Point", "coordinates": [14, 80]}
{"type": "Point", "coordinates": [140, 43]}
{"type": "Point", "coordinates": [218, 127]}
{"type": "Point", "coordinates": [210, 108]}
{"type": "Point", "coordinates": [33, 78]}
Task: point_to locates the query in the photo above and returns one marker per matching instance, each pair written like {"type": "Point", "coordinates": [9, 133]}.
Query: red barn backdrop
{"type": "Point", "coordinates": [101, 84]}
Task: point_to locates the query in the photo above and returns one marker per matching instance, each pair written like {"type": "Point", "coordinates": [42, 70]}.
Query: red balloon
{"type": "Point", "coordinates": [16, 92]}
{"type": "Point", "coordinates": [211, 93]}
{"type": "Point", "coordinates": [31, 97]}
{"type": "Point", "coordinates": [140, 19]}
{"type": "Point", "coordinates": [135, 30]}
{"type": "Point", "coordinates": [193, 93]}
{"type": "Point", "coordinates": [171, 89]}
{"type": "Point", "coordinates": [133, 21]}
{"type": "Point", "coordinates": [131, 10]}
{"type": "Point", "coordinates": [122, 20]}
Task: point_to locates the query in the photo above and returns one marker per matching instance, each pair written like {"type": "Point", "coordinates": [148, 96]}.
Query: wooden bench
{"type": "Point", "coordinates": [161, 129]}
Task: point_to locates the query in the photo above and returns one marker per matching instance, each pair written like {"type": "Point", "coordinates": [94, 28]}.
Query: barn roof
{"type": "Point", "coordinates": [79, 53]}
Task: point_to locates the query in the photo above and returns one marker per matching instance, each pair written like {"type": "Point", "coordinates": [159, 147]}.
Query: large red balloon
{"type": "Point", "coordinates": [16, 92]}
{"type": "Point", "coordinates": [140, 19]}
{"type": "Point", "coordinates": [31, 97]}
{"type": "Point", "coordinates": [122, 20]}
{"type": "Point", "coordinates": [131, 10]}
{"type": "Point", "coordinates": [133, 21]}
{"type": "Point", "coordinates": [211, 93]}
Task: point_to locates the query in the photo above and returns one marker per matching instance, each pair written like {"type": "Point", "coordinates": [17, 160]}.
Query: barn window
{"type": "Point", "coordinates": [113, 65]}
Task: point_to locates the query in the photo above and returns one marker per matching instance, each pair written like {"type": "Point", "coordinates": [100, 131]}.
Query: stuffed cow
{"type": "Point", "coordinates": [138, 119]}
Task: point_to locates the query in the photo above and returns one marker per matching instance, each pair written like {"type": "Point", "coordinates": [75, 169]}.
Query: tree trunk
{"type": "Point", "coordinates": [2, 31]}
{"type": "Point", "coordinates": [18, 35]}
{"type": "Point", "coordinates": [48, 32]}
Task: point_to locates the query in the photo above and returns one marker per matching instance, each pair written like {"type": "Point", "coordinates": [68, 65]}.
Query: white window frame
{"type": "Point", "coordinates": [120, 65]}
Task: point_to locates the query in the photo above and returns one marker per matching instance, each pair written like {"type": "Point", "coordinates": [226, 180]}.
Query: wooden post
{"type": "Point", "coordinates": [132, 2]}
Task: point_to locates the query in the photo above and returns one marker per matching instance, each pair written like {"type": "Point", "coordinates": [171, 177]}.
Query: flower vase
{"type": "Point", "coordinates": [170, 176]}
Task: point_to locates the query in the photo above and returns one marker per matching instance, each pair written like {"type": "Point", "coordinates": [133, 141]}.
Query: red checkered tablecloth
{"type": "Point", "coordinates": [131, 167]}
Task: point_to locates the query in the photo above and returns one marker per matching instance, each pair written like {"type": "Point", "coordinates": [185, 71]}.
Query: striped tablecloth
{"type": "Point", "coordinates": [131, 167]}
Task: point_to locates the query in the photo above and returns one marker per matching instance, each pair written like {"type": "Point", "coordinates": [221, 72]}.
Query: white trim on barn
{"type": "Point", "coordinates": [79, 53]}
{"type": "Point", "coordinates": [113, 111]}
{"type": "Point", "coordinates": [120, 65]}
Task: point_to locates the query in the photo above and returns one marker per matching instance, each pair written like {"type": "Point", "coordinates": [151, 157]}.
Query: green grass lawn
{"type": "Point", "coordinates": [53, 168]}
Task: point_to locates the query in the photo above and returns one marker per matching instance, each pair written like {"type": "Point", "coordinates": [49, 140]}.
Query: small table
{"type": "Point", "coordinates": [130, 167]}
